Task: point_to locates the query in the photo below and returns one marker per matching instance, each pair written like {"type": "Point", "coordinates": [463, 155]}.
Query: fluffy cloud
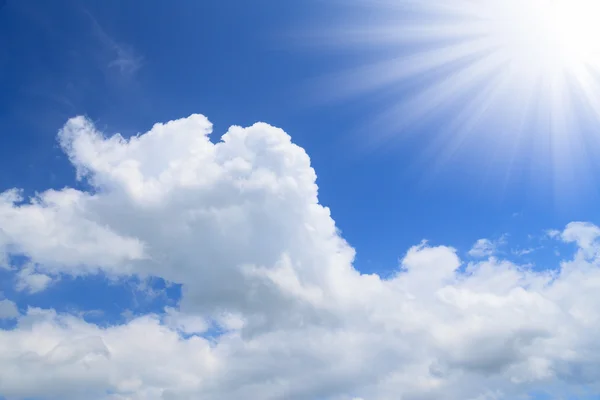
{"type": "Point", "coordinates": [51, 230]}
{"type": "Point", "coordinates": [272, 307]}
{"type": "Point", "coordinates": [30, 281]}
{"type": "Point", "coordinates": [8, 309]}
{"type": "Point", "coordinates": [483, 248]}
{"type": "Point", "coordinates": [486, 247]}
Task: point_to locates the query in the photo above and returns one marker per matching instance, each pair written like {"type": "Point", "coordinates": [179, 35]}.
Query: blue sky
{"type": "Point", "coordinates": [58, 64]}
{"type": "Point", "coordinates": [126, 66]}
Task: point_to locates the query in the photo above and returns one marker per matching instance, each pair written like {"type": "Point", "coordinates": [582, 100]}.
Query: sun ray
{"type": "Point", "coordinates": [386, 72]}
{"type": "Point", "coordinates": [523, 63]}
{"type": "Point", "coordinates": [441, 94]}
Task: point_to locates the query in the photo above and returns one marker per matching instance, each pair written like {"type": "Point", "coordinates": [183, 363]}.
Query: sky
{"type": "Point", "coordinates": [361, 200]}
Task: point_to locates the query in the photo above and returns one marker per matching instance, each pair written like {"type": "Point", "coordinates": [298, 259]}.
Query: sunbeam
{"type": "Point", "coordinates": [527, 62]}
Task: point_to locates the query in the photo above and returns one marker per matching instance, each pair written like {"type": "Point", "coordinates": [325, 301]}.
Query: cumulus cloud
{"type": "Point", "coordinates": [51, 230]}
{"type": "Point", "coordinates": [584, 234]}
{"type": "Point", "coordinates": [487, 247]}
{"type": "Point", "coordinates": [272, 306]}
{"type": "Point", "coordinates": [30, 281]}
{"type": "Point", "coordinates": [483, 248]}
{"type": "Point", "coordinates": [187, 324]}
{"type": "Point", "coordinates": [8, 309]}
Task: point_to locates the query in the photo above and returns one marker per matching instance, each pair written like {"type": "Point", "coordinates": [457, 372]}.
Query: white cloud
{"type": "Point", "coordinates": [187, 324]}
{"type": "Point", "coordinates": [525, 251]}
{"type": "Point", "coordinates": [8, 309]}
{"type": "Point", "coordinates": [121, 56]}
{"type": "Point", "coordinates": [30, 281]}
{"type": "Point", "coordinates": [239, 225]}
{"type": "Point", "coordinates": [553, 233]}
{"type": "Point", "coordinates": [52, 230]}
{"type": "Point", "coordinates": [583, 234]}
{"type": "Point", "coordinates": [483, 248]}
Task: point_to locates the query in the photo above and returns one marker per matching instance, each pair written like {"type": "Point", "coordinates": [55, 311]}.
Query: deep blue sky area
{"type": "Point", "coordinates": [127, 66]}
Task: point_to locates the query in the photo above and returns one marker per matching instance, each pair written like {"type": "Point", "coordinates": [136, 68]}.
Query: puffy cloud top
{"type": "Point", "coordinates": [239, 225]}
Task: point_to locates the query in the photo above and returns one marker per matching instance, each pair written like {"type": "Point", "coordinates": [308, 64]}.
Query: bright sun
{"type": "Point", "coordinates": [510, 77]}
{"type": "Point", "coordinates": [544, 35]}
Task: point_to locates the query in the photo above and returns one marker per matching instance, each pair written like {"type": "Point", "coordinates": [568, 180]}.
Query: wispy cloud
{"type": "Point", "coordinates": [553, 233]}
{"type": "Point", "coordinates": [127, 62]}
{"type": "Point", "coordinates": [486, 247]}
{"type": "Point", "coordinates": [525, 251]}
{"type": "Point", "coordinates": [122, 57]}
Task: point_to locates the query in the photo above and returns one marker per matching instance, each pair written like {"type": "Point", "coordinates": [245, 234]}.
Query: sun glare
{"type": "Point", "coordinates": [507, 73]}
{"type": "Point", "coordinates": [576, 27]}
{"type": "Point", "coordinates": [544, 35]}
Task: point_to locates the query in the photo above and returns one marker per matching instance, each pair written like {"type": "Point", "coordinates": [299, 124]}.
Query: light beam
{"type": "Point", "coordinates": [510, 77]}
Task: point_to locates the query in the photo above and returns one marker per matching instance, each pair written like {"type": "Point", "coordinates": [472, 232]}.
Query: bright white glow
{"type": "Point", "coordinates": [507, 74]}
{"type": "Point", "coordinates": [544, 35]}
